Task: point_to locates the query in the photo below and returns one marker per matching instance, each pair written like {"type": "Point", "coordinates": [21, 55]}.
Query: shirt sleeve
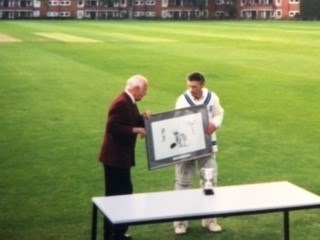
{"type": "Point", "coordinates": [217, 113]}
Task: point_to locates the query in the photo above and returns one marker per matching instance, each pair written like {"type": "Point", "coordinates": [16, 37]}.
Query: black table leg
{"type": "Point", "coordinates": [286, 227]}
{"type": "Point", "coordinates": [94, 222]}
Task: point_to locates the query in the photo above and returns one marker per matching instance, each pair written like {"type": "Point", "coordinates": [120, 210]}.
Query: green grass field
{"type": "Point", "coordinates": [57, 78]}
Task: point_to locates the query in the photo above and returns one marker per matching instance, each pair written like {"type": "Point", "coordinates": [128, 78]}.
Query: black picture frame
{"type": "Point", "coordinates": [177, 136]}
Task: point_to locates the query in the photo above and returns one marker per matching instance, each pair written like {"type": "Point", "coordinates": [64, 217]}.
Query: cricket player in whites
{"type": "Point", "coordinates": [197, 94]}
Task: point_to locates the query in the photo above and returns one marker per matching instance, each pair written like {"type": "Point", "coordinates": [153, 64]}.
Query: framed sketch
{"type": "Point", "coordinates": [177, 136]}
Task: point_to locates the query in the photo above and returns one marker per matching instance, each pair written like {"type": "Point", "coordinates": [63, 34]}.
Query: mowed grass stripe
{"type": "Point", "coordinates": [113, 36]}
{"type": "Point", "coordinates": [7, 38]}
{"type": "Point", "coordinates": [135, 38]}
{"type": "Point", "coordinates": [67, 37]}
{"type": "Point", "coordinates": [252, 34]}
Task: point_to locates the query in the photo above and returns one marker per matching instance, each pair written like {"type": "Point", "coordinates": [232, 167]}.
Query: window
{"type": "Point", "coordinates": [24, 3]}
{"type": "Point", "coordinates": [65, 3]}
{"type": "Point", "coordinates": [64, 14]}
{"type": "Point", "coordinates": [293, 13]}
{"type": "Point", "coordinates": [36, 13]}
{"type": "Point", "coordinates": [24, 14]}
{"type": "Point", "coordinates": [165, 3]}
{"type": "Point", "coordinates": [52, 14]}
{"type": "Point", "coordinates": [123, 14]}
{"type": "Point", "coordinates": [53, 3]}
{"type": "Point", "coordinates": [91, 4]}
{"type": "Point", "coordinates": [166, 14]}
{"type": "Point", "coordinates": [37, 3]}
{"type": "Point", "coordinates": [80, 14]}
{"type": "Point", "coordinates": [123, 3]}
{"type": "Point", "coordinates": [150, 14]}
{"type": "Point", "coordinates": [139, 2]}
{"type": "Point", "coordinates": [138, 14]}
{"type": "Point", "coordinates": [6, 4]}
{"type": "Point", "coordinates": [220, 14]}
{"type": "Point", "coordinates": [150, 2]}
{"type": "Point", "coordinates": [220, 2]}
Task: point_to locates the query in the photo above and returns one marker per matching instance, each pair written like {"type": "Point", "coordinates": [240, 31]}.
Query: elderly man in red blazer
{"type": "Point", "coordinates": [117, 152]}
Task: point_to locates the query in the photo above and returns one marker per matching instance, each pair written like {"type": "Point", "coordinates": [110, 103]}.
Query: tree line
{"type": "Point", "coordinates": [310, 9]}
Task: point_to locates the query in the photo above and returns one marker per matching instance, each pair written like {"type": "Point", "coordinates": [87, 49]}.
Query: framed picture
{"type": "Point", "coordinates": [177, 136]}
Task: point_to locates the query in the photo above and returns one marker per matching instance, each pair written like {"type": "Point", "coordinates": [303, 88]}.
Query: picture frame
{"type": "Point", "coordinates": [177, 136]}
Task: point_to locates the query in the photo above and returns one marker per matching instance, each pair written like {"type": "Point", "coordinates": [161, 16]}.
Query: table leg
{"type": "Point", "coordinates": [94, 222]}
{"type": "Point", "coordinates": [286, 226]}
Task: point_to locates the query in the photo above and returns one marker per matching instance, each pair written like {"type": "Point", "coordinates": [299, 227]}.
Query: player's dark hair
{"type": "Point", "coordinates": [196, 76]}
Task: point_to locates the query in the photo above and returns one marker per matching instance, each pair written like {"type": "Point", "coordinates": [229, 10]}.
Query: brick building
{"type": "Point", "coordinates": [149, 9]}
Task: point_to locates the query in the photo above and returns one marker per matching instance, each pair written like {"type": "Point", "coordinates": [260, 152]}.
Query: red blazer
{"type": "Point", "coordinates": [118, 145]}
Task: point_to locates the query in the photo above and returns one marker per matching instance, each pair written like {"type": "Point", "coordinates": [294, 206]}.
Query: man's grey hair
{"type": "Point", "coordinates": [136, 81]}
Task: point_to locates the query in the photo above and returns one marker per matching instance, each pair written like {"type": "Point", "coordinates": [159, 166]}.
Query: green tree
{"type": "Point", "coordinates": [231, 9]}
{"type": "Point", "coordinates": [200, 4]}
{"type": "Point", "coordinates": [310, 9]}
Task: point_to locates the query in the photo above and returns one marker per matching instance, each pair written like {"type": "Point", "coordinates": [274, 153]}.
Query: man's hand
{"type": "Point", "coordinates": [140, 131]}
{"type": "Point", "coordinates": [146, 114]}
{"type": "Point", "coordinates": [211, 128]}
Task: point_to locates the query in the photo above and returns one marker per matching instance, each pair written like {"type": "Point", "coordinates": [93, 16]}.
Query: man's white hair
{"type": "Point", "coordinates": [136, 81]}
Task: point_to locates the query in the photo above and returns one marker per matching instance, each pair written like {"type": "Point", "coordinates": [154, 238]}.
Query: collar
{"type": "Point", "coordinates": [131, 96]}
{"type": "Point", "coordinates": [203, 97]}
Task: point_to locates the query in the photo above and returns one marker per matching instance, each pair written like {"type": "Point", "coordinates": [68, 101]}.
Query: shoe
{"type": "Point", "coordinates": [127, 237]}
{"type": "Point", "coordinates": [124, 237]}
{"type": "Point", "coordinates": [212, 225]}
{"type": "Point", "coordinates": [180, 229]}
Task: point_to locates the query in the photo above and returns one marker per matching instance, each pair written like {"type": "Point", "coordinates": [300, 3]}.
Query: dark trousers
{"type": "Point", "coordinates": [117, 182]}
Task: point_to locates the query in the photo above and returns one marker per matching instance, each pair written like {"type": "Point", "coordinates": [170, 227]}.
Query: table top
{"type": "Point", "coordinates": [193, 203]}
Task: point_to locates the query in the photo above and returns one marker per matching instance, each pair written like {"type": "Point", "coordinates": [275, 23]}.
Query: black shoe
{"type": "Point", "coordinates": [124, 237]}
{"type": "Point", "coordinates": [127, 237]}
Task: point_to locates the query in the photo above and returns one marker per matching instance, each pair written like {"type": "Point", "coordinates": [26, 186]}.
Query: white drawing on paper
{"type": "Point", "coordinates": [163, 134]}
{"type": "Point", "coordinates": [180, 140]}
{"type": "Point", "coordinates": [176, 136]}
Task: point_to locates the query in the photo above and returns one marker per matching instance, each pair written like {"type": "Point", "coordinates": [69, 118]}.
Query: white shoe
{"type": "Point", "coordinates": [180, 228]}
{"type": "Point", "coordinates": [212, 225]}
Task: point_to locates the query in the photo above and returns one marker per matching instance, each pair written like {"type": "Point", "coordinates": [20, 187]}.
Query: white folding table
{"type": "Point", "coordinates": [154, 207]}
